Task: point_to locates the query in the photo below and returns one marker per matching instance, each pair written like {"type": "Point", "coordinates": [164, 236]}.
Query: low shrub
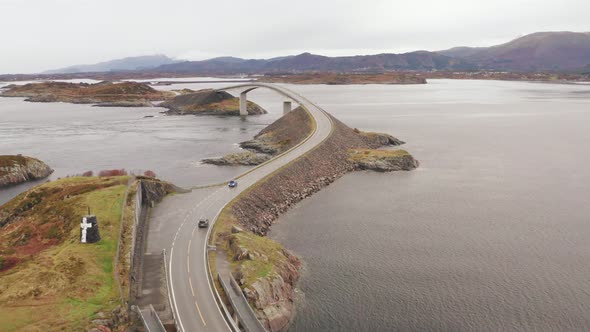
{"type": "Point", "coordinates": [112, 172]}
{"type": "Point", "coordinates": [149, 173]}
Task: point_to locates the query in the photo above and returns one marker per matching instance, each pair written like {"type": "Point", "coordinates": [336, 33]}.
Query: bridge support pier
{"type": "Point", "coordinates": [243, 104]}
{"type": "Point", "coordinates": [286, 107]}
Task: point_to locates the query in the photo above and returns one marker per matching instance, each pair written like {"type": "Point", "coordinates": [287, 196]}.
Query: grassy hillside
{"type": "Point", "coordinates": [49, 281]}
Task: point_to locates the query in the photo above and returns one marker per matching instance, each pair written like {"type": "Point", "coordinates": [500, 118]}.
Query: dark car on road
{"type": "Point", "coordinates": [203, 223]}
{"type": "Point", "coordinates": [233, 184]}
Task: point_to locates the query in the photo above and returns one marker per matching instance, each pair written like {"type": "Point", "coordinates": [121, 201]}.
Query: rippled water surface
{"type": "Point", "coordinates": [491, 233]}
{"type": "Point", "coordinates": [76, 138]}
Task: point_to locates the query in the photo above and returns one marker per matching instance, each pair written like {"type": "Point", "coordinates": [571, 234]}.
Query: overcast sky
{"type": "Point", "coordinates": [37, 35]}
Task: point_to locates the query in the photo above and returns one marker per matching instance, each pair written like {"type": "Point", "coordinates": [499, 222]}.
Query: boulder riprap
{"type": "Point", "coordinates": [208, 102]}
{"type": "Point", "coordinates": [246, 158]}
{"type": "Point", "coordinates": [19, 169]}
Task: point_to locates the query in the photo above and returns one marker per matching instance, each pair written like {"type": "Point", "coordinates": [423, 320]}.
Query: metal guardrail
{"type": "Point", "coordinates": [119, 241]}
{"type": "Point", "coordinates": [151, 320]}
{"type": "Point", "coordinates": [172, 309]}
{"type": "Point", "coordinates": [233, 325]}
{"type": "Point", "coordinates": [249, 316]}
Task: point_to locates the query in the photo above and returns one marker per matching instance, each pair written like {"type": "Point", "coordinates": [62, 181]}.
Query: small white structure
{"type": "Point", "coordinates": [89, 230]}
{"type": "Point", "coordinates": [84, 226]}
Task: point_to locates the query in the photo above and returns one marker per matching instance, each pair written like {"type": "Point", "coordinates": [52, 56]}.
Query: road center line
{"type": "Point", "coordinates": [191, 284]}
{"type": "Point", "coordinates": [200, 314]}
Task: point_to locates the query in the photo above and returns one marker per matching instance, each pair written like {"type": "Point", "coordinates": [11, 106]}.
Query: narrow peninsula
{"type": "Point", "coordinates": [266, 271]}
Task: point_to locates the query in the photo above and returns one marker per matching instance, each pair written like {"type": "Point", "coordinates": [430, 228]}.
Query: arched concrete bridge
{"type": "Point", "coordinates": [194, 300]}
{"type": "Point", "coordinates": [245, 88]}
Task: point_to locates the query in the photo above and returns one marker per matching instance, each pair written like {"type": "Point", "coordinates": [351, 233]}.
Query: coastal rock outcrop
{"type": "Point", "coordinates": [19, 169]}
{"type": "Point", "coordinates": [208, 102]}
{"type": "Point", "coordinates": [382, 160]}
{"type": "Point", "coordinates": [376, 140]}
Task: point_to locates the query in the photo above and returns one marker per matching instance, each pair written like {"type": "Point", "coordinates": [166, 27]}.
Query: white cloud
{"type": "Point", "coordinates": [40, 34]}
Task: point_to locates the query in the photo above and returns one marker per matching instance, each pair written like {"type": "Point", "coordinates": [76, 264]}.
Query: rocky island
{"type": "Point", "coordinates": [345, 78]}
{"type": "Point", "coordinates": [207, 102]}
{"type": "Point", "coordinates": [18, 169]}
{"type": "Point", "coordinates": [125, 94]}
{"type": "Point", "coordinates": [264, 269]}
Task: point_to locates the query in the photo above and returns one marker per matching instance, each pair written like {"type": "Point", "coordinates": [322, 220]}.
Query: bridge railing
{"type": "Point", "coordinates": [151, 320]}
{"type": "Point", "coordinates": [228, 317]}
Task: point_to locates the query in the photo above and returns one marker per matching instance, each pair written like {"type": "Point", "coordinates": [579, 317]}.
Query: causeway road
{"type": "Point", "coordinates": [193, 299]}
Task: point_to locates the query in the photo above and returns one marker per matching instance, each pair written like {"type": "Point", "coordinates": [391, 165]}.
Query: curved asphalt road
{"type": "Point", "coordinates": [192, 297]}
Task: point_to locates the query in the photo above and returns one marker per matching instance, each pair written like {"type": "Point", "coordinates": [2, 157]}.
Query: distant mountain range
{"type": "Point", "coordinates": [146, 62]}
{"type": "Point", "coordinates": [421, 61]}
{"type": "Point", "coordinates": [542, 51]}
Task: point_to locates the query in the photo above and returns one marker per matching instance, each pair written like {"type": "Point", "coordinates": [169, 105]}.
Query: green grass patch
{"type": "Point", "coordinates": [68, 282]}
{"type": "Point", "coordinates": [373, 154]}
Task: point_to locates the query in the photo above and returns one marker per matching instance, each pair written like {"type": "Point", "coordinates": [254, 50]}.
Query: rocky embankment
{"type": "Point", "coordinates": [18, 169]}
{"type": "Point", "coordinates": [280, 136]}
{"type": "Point", "coordinates": [123, 94]}
{"type": "Point", "coordinates": [208, 102]}
{"type": "Point", "coordinates": [259, 207]}
{"type": "Point", "coordinates": [266, 271]}
{"type": "Point", "coordinates": [247, 158]}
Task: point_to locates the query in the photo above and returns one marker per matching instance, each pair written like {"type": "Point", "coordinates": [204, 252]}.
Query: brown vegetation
{"type": "Point", "coordinates": [346, 78]}
{"type": "Point", "coordinates": [84, 93]}
{"type": "Point", "coordinates": [112, 172]}
{"type": "Point", "coordinates": [49, 281]}
{"type": "Point", "coordinates": [150, 174]}
{"type": "Point", "coordinates": [208, 102]}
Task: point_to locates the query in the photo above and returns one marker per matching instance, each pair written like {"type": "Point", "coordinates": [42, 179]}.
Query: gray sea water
{"type": "Point", "coordinates": [491, 233]}
{"type": "Point", "coordinates": [73, 139]}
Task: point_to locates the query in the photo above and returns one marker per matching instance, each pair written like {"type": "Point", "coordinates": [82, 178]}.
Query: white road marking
{"type": "Point", "coordinates": [200, 314]}
{"type": "Point", "coordinates": [191, 284]}
{"type": "Point", "coordinates": [170, 265]}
